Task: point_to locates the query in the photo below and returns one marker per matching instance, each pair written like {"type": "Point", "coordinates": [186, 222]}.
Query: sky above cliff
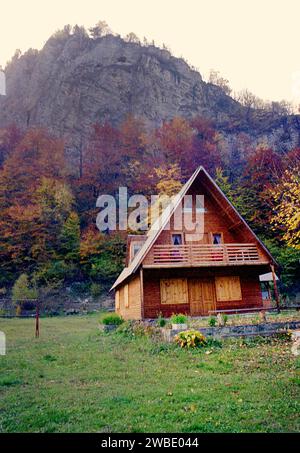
{"type": "Point", "coordinates": [253, 43]}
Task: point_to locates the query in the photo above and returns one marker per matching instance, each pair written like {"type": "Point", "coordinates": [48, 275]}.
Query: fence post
{"type": "Point", "coordinates": [275, 288]}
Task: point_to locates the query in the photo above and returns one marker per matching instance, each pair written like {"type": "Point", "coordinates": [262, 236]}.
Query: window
{"type": "Point", "coordinates": [126, 296]}
{"type": "Point", "coordinates": [177, 239]}
{"type": "Point", "coordinates": [217, 238]}
{"type": "Point", "coordinates": [135, 247]}
{"type": "Point", "coordinates": [174, 291]}
{"type": "Point", "coordinates": [228, 288]}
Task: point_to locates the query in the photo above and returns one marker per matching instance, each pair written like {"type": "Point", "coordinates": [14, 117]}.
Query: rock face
{"type": "Point", "coordinates": [75, 81]}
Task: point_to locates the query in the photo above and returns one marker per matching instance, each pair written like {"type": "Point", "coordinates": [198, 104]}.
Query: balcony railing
{"type": "Point", "coordinates": [204, 255]}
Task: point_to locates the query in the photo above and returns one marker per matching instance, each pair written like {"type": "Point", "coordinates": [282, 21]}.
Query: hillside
{"type": "Point", "coordinates": [75, 81]}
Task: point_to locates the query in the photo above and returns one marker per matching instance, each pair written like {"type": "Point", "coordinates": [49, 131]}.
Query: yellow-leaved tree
{"type": "Point", "coordinates": [286, 216]}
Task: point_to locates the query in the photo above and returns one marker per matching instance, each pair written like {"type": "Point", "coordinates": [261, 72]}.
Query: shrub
{"type": "Point", "coordinates": [213, 342]}
{"type": "Point", "coordinates": [112, 319]}
{"type": "Point", "coordinates": [222, 319]}
{"type": "Point", "coordinates": [190, 339]}
{"type": "Point", "coordinates": [161, 322]}
{"type": "Point", "coordinates": [136, 329]}
{"type": "Point", "coordinates": [22, 294]}
{"type": "Point", "coordinates": [178, 318]}
{"type": "Point", "coordinates": [212, 321]}
{"type": "Point", "coordinates": [95, 289]}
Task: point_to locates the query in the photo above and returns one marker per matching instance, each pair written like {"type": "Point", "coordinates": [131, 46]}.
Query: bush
{"type": "Point", "coordinates": [178, 318]}
{"type": "Point", "coordinates": [213, 342]}
{"type": "Point", "coordinates": [190, 339]}
{"type": "Point", "coordinates": [161, 322]}
{"type": "Point", "coordinates": [212, 321]}
{"type": "Point", "coordinates": [112, 319]}
{"type": "Point", "coordinates": [133, 329]}
{"type": "Point", "coordinates": [22, 294]}
{"type": "Point", "coordinates": [95, 289]}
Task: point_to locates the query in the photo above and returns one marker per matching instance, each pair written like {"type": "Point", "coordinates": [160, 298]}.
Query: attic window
{"type": "Point", "coordinates": [177, 239]}
{"type": "Point", "coordinates": [135, 247]}
{"type": "Point", "coordinates": [217, 238]}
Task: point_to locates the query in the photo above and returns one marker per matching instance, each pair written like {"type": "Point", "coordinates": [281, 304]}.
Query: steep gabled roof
{"type": "Point", "coordinates": [165, 217]}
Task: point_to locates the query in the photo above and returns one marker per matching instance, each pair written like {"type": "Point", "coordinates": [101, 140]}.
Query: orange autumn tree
{"type": "Point", "coordinates": [34, 170]}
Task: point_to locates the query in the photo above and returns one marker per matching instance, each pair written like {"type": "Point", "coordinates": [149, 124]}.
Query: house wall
{"type": "Point", "coordinates": [134, 308]}
{"type": "Point", "coordinates": [249, 279]}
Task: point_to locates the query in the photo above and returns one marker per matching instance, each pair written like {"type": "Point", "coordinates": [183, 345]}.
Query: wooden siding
{"type": "Point", "coordinates": [238, 243]}
{"type": "Point", "coordinates": [250, 289]}
{"type": "Point", "coordinates": [129, 295]}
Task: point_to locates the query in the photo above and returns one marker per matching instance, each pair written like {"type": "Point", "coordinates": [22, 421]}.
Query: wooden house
{"type": "Point", "coordinates": [166, 272]}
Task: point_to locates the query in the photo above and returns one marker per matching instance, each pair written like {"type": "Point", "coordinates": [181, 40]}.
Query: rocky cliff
{"type": "Point", "coordinates": [75, 81]}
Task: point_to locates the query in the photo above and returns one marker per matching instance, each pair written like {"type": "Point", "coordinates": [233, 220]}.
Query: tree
{"type": "Point", "coordinates": [100, 29]}
{"type": "Point", "coordinates": [168, 180]}
{"type": "Point", "coordinates": [263, 170]}
{"type": "Point", "coordinates": [175, 139]}
{"type": "Point", "coordinates": [70, 238]}
{"type": "Point", "coordinates": [102, 256]}
{"type": "Point", "coordinates": [204, 150]}
{"type": "Point", "coordinates": [289, 260]}
{"type": "Point", "coordinates": [22, 293]}
{"type": "Point", "coordinates": [132, 37]}
{"type": "Point", "coordinates": [216, 79]}
{"type": "Point", "coordinates": [286, 212]}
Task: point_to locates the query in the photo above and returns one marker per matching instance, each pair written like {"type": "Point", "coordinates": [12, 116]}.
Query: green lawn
{"type": "Point", "coordinates": [75, 378]}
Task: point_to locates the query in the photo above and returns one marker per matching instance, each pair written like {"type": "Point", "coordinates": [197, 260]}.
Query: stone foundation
{"type": "Point", "coordinates": [248, 330]}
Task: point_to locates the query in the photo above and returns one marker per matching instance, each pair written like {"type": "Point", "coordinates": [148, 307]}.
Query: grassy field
{"type": "Point", "coordinates": [75, 378]}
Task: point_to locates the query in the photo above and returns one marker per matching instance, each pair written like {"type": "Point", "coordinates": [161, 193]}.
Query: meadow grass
{"type": "Point", "coordinates": [75, 378]}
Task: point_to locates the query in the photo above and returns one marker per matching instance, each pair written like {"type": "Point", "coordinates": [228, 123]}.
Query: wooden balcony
{"type": "Point", "coordinates": [195, 255]}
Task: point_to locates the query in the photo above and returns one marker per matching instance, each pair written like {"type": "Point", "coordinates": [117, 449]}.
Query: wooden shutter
{"type": "Point", "coordinates": [228, 288]}
{"type": "Point", "coordinates": [117, 300]}
{"type": "Point", "coordinates": [235, 288]}
{"type": "Point", "coordinates": [126, 296]}
{"type": "Point", "coordinates": [174, 291]}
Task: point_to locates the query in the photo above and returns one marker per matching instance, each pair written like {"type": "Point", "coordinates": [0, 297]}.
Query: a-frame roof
{"type": "Point", "coordinates": [165, 217]}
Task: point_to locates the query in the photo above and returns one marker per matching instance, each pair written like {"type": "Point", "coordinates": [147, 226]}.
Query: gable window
{"type": "Point", "coordinates": [135, 247]}
{"type": "Point", "coordinates": [217, 238]}
{"type": "Point", "coordinates": [177, 239]}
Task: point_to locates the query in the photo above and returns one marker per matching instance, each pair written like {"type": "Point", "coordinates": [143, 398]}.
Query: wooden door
{"type": "Point", "coordinates": [202, 296]}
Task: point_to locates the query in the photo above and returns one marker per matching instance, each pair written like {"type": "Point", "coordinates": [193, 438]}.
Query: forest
{"type": "Point", "coordinates": [49, 240]}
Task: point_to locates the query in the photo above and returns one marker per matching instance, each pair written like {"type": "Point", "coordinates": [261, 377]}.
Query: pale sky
{"type": "Point", "coordinates": [253, 43]}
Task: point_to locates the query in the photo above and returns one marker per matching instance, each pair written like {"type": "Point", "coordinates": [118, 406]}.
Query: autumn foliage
{"type": "Point", "coordinates": [48, 203]}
